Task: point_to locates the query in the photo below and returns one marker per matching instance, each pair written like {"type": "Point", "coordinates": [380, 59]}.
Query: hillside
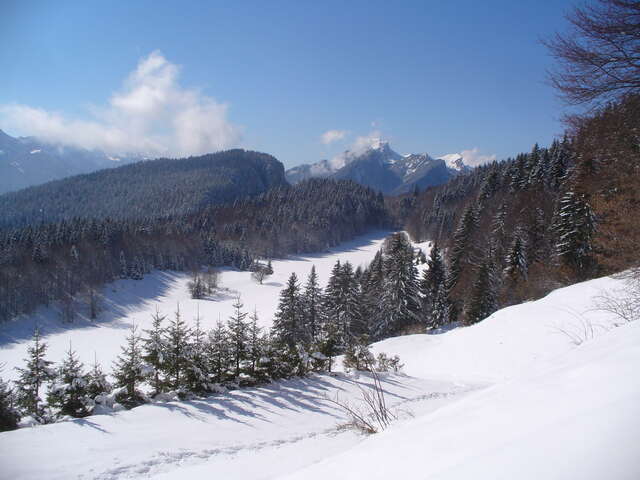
{"type": "Point", "coordinates": [513, 384]}
{"type": "Point", "coordinates": [64, 261]}
{"type": "Point", "coordinates": [153, 188]}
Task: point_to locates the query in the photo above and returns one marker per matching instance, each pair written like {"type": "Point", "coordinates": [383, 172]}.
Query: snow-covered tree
{"type": "Point", "coordinates": [36, 373]}
{"type": "Point", "coordinates": [312, 306]}
{"type": "Point", "coordinates": [9, 416]}
{"type": "Point", "coordinates": [177, 338]}
{"type": "Point", "coordinates": [67, 393]}
{"type": "Point", "coordinates": [287, 324]}
{"type": "Point", "coordinates": [461, 241]}
{"type": "Point", "coordinates": [153, 352]}
{"type": "Point", "coordinates": [399, 302]}
{"type": "Point", "coordinates": [432, 287]}
{"type": "Point", "coordinates": [516, 263]}
{"type": "Point", "coordinates": [218, 353]}
{"type": "Point", "coordinates": [574, 227]}
{"type": "Point", "coordinates": [484, 297]}
{"type": "Point", "coordinates": [97, 383]}
{"type": "Point", "coordinates": [197, 375]}
{"type": "Point", "coordinates": [129, 370]}
{"type": "Point", "coordinates": [238, 333]}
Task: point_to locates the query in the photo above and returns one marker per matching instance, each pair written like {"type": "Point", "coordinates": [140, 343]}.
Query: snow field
{"type": "Point", "coordinates": [510, 397]}
{"type": "Point", "coordinates": [130, 302]}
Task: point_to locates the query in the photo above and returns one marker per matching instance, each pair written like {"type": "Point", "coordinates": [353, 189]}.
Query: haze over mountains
{"type": "Point", "coordinates": [383, 169]}
{"type": "Point", "coordinates": [27, 161]}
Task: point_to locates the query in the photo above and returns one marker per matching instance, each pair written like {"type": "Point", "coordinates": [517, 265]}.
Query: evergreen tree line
{"type": "Point", "coordinates": [510, 231]}
{"type": "Point", "coordinates": [384, 299]}
{"type": "Point", "coordinates": [147, 189]}
{"type": "Point", "coordinates": [66, 263]}
{"type": "Point", "coordinates": [169, 360]}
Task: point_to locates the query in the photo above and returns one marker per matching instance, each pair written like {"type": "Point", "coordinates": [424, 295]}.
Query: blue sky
{"type": "Point", "coordinates": [439, 77]}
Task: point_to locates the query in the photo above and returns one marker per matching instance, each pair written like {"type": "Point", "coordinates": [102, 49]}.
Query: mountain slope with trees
{"type": "Point", "coordinates": [148, 189]}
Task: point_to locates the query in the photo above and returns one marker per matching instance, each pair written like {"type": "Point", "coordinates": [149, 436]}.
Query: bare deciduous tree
{"type": "Point", "coordinates": [599, 59]}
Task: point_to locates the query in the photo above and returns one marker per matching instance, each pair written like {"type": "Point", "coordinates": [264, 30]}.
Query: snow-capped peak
{"type": "Point", "coordinates": [454, 161]}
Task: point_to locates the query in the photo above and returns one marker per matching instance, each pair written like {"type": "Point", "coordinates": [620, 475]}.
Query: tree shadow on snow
{"type": "Point", "coordinates": [120, 299]}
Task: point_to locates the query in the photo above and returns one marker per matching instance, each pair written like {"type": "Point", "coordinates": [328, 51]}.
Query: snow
{"type": "Point", "coordinates": [453, 161]}
{"type": "Point", "coordinates": [510, 397]}
{"type": "Point", "coordinates": [134, 301]}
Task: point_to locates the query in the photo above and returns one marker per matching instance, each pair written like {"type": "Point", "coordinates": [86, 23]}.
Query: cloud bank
{"type": "Point", "coordinates": [359, 146]}
{"type": "Point", "coordinates": [331, 136]}
{"type": "Point", "coordinates": [472, 157]}
{"type": "Point", "coordinates": [152, 114]}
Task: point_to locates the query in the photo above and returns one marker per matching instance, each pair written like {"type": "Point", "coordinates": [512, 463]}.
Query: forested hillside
{"type": "Point", "coordinates": [67, 260]}
{"type": "Point", "coordinates": [514, 230]}
{"type": "Point", "coordinates": [148, 189]}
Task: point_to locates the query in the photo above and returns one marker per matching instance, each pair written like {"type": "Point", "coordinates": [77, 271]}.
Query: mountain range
{"type": "Point", "coordinates": [27, 161]}
{"type": "Point", "coordinates": [383, 169]}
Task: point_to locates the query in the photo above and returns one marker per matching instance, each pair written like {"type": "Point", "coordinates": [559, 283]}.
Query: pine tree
{"type": "Point", "coordinates": [67, 392]}
{"type": "Point", "coordinates": [461, 241]}
{"type": "Point", "coordinates": [312, 306]}
{"type": "Point", "coordinates": [197, 375]}
{"type": "Point", "coordinates": [431, 288]}
{"type": "Point", "coordinates": [218, 353]}
{"type": "Point", "coordinates": [399, 303]}
{"type": "Point", "coordinates": [516, 263]}
{"type": "Point", "coordinates": [128, 371]}
{"type": "Point", "coordinates": [255, 346]}
{"type": "Point", "coordinates": [37, 372]}
{"type": "Point", "coordinates": [351, 321]}
{"type": "Point", "coordinates": [97, 383]}
{"type": "Point", "coordinates": [333, 305]}
{"type": "Point", "coordinates": [9, 416]}
{"type": "Point", "coordinates": [287, 325]}
{"type": "Point", "coordinates": [238, 332]}
{"type": "Point", "coordinates": [575, 227]}
{"type": "Point", "coordinates": [153, 352]}
{"type": "Point", "coordinates": [484, 292]}
{"type": "Point", "coordinates": [177, 338]}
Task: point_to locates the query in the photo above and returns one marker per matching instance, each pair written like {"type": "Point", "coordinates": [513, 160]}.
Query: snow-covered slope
{"type": "Point", "coordinates": [578, 418]}
{"type": "Point", "coordinates": [510, 397]}
{"type": "Point", "coordinates": [132, 301]}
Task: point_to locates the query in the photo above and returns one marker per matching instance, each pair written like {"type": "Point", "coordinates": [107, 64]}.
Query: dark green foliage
{"type": "Point", "coordinates": [284, 220]}
{"type": "Point", "coordinates": [238, 337]}
{"type": "Point", "coordinates": [484, 298]}
{"type": "Point", "coordinates": [399, 302]}
{"type": "Point", "coordinates": [153, 353]}
{"type": "Point", "coordinates": [177, 339]}
{"type": "Point", "coordinates": [32, 377]}
{"type": "Point", "coordinates": [97, 383]}
{"type": "Point", "coordinates": [67, 393]}
{"type": "Point", "coordinates": [9, 416]}
{"type": "Point", "coordinates": [288, 327]}
{"type": "Point", "coordinates": [129, 370]}
{"type": "Point", "coordinates": [154, 188]}
{"type": "Point", "coordinates": [312, 307]}
{"type": "Point", "coordinates": [433, 290]}
{"type": "Point", "coordinates": [574, 226]}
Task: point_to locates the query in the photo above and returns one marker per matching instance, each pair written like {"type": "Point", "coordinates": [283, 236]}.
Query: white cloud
{"type": "Point", "coordinates": [472, 157]}
{"type": "Point", "coordinates": [152, 114]}
{"type": "Point", "coordinates": [360, 145]}
{"type": "Point", "coordinates": [331, 136]}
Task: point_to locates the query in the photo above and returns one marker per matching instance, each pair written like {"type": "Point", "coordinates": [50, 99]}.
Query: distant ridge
{"type": "Point", "coordinates": [151, 188]}
{"type": "Point", "coordinates": [383, 169]}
